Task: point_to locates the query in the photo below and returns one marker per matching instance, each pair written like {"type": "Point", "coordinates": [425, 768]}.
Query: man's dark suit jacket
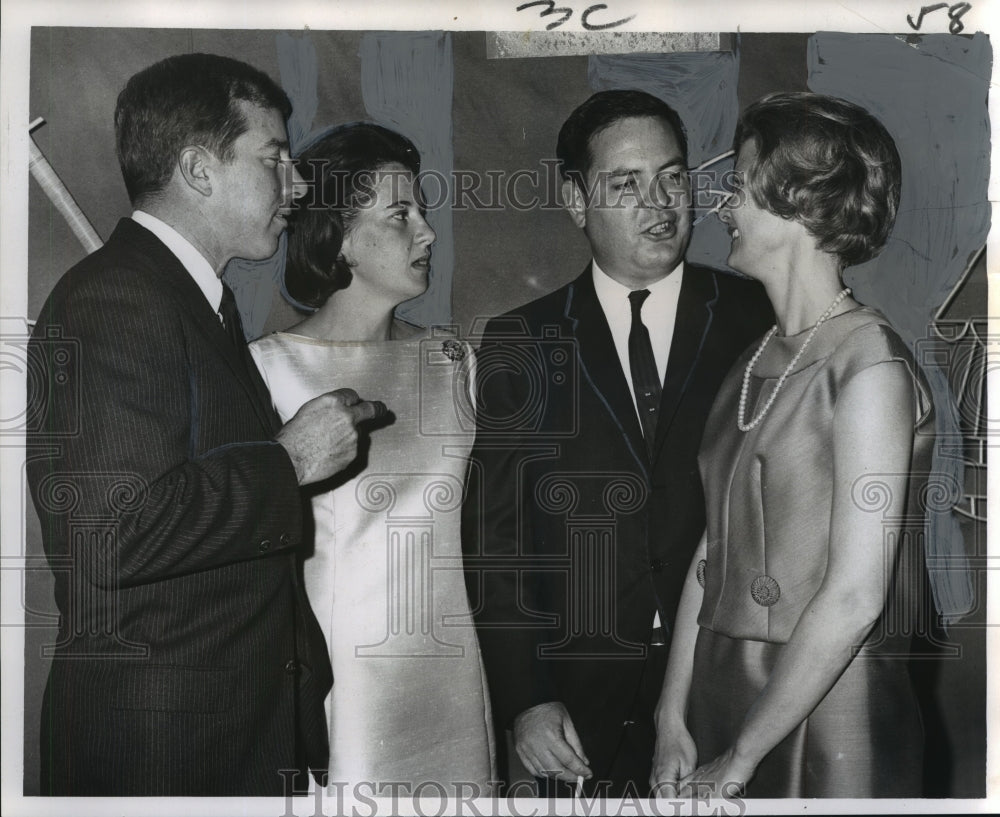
{"type": "Point", "coordinates": [188, 661]}
{"type": "Point", "coordinates": [574, 536]}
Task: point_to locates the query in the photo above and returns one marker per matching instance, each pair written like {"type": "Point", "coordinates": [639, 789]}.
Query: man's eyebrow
{"type": "Point", "coordinates": [274, 142]}
{"type": "Point", "coordinates": [674, 161]}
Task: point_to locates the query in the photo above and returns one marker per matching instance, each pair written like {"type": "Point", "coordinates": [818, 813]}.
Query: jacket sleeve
{"type": "Point", "coordinates": [497, 538]}
{"type": "Point", "coordinates": [116, 441]}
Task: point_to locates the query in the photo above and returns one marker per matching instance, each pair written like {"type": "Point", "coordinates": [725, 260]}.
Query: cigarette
{"type": "Point", "coordinates": [579, 786]}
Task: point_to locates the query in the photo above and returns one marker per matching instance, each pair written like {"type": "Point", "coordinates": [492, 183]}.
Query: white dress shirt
{"type": "Point", "coordinates": [193, 261]}
{"type": "Point", "coordinates": [659, 313]}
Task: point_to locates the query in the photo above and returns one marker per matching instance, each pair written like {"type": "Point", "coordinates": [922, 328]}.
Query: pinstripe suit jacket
{"type": "Point", "coordinates": [188, 662]}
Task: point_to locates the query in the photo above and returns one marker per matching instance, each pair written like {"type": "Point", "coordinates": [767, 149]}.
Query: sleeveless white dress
{"type": "Point", "coordinates": [409, 701]}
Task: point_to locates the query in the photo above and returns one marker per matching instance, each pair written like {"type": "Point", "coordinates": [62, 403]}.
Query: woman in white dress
{"type": "Point", "coordinates": [409, 703]}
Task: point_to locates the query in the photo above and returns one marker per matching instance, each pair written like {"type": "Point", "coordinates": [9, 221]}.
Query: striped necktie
{"type": "Point", "coordinates": [645, 379]}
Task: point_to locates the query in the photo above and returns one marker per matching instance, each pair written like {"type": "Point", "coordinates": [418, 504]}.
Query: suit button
{"type": "Point", "coordinates": [264, 546]}
{"type": "Point", "coordinates": [284, 539]}
{"type": "Point", "coordinates": [292, 667]}
{"type": "Point", "coordinates": [656, 565]}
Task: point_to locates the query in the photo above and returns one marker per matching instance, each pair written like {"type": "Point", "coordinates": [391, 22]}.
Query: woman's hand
{"type": "Point", "coordinates": [727, 775]}
{"type": "Point", "coordinates": [674, 758]}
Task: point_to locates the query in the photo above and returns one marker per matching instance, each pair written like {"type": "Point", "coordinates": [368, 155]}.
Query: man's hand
{"type": "Point", "coordinates": [548, 745]}
{"type": "Point", "coordinates": [322, 438]}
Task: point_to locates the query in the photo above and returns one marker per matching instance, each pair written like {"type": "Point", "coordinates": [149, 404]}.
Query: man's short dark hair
{"type": "Point", "coordinates": [188, 99]}
{"type": "Point", "coordinates": [600, 111]}
{"type": "Point", "coordinates": [344, 164]}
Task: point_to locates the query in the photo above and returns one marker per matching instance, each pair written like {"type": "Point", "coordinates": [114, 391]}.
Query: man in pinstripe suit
{"type": "Point", "coordinates": [188, 661]}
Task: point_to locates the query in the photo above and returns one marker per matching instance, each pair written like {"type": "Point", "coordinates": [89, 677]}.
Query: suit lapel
{"type": "Point", "coordinates": [599, 363]}
{"type": "Point", "coordinates": [196, 308]}
{"type": "Point", "coordinates": [699, 292]}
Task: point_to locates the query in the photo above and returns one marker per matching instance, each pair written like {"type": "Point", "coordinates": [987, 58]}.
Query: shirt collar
{"type": "Point", "coordinates": [609, 290]}
{"type": "Point", "coordinates": [193, 261]}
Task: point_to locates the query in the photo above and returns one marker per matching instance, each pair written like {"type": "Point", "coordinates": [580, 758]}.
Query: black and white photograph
{"type": "Point", "coordinates": [528, 408]}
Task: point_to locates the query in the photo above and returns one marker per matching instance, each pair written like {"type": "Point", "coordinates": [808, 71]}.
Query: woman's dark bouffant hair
{"type": "Point", "coordinates": [343, 165]}
{"type": "Point", "coordinates": [827, 164]}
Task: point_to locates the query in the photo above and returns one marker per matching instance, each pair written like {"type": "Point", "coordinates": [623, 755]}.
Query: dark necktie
{"type": "Point", "coordinates": [234, 328]}
{"type": "Point", "coordinates": [231, 318]}
{"type": "Point", "coordinates": [645, 378]}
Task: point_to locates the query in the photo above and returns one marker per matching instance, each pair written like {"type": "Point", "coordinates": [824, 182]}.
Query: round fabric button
{"type": "Point", "coordinates": [264, 546]}
{"type": "Point", "coordinates": [284, 539]}
{"type": "Point", "coordinates": [765, 591]}
{"type": "Point", "coordinates": [291, 667]}
{"type": "Point", "coordinates": [699, 572]}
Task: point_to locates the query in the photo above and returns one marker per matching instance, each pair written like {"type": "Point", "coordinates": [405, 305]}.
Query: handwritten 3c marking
{"type": "Point", "coordinates": [567, 13]}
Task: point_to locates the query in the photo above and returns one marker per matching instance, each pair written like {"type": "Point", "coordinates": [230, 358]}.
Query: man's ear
{"type": "Point", "coordinates": [572, 200]}
{"type": "Point", "coordinates": [194, 163]}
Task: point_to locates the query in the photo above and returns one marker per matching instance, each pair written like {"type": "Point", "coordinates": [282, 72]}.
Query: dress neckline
{"type": "Point", "coordinates": [782, 348]}
{"type": "Point", "coordinates": [411, 331]}
{"type": "Point", "coordinates": [803, 332]}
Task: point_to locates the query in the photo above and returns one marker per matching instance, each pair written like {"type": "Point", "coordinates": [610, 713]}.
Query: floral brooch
{"type": "Point", "coordinates": [453, 350]}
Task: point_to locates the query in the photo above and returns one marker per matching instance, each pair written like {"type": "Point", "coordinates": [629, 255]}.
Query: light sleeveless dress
{"type": "Point", "coordinates": [409, 702]}
{"type": "Point", "coordinates": [769, 498]}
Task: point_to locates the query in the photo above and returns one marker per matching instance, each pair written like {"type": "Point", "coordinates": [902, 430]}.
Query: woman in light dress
{"type": "Point", "coordinates": [787, 669]}
{"type": "Point", "coordinates": [409, 703]}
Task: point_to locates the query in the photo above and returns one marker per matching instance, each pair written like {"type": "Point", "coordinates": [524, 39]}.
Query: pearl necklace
{"type": "Point", "coordinates": [744, 426]}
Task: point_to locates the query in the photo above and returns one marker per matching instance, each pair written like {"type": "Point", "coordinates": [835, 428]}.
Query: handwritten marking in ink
{"type": "Point", "coordinates": [955, 12]}
{"type": "Point", "coordinates": [550, 8]}
{"type": "Point", "coordinates": [597, 26]}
